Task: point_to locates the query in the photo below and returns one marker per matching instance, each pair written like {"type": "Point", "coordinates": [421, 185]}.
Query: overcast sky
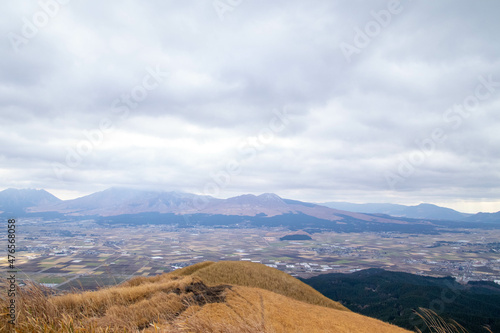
{"type": "Point", "coordinates": [360, 101]}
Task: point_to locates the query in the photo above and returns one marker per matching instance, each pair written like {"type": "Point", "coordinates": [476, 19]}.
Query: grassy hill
{"type": "Point", "coordinates": [207, 297]}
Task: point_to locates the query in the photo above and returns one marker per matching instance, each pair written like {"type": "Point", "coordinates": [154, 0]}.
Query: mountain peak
{"type": "Point", "coordinates": [269, 196]}
{"type": "Point", "coordinates": [423, 204]}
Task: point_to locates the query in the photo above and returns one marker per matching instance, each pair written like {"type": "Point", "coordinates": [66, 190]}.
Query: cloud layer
{"type": "Point", "coordinates": [355, 101]}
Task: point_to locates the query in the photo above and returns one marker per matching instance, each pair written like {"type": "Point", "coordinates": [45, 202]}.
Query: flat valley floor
{"type": "Point", "coordinates": [85, 255]}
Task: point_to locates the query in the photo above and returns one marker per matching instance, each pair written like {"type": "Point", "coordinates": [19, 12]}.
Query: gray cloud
{"type": "Point", "coordinates": [349, 124]}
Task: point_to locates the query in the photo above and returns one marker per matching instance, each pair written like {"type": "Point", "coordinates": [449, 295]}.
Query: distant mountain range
{"type": "Point", "coordinates": [422, 211]}
{"type": "Point", "coordinates": [123, 204]}
{"type": "Point", "coordinates": [121, 201]}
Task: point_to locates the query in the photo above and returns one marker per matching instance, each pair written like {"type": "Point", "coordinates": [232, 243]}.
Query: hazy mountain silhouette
{"type": "Point", "coordinates": [120, 201]}
{"type": "Point", "coordinates": [422, 211]}
{"type": "Point", "coordinates": [125, 201]}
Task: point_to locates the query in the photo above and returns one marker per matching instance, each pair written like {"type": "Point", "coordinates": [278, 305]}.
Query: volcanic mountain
{"type": "Point", "coordinates": [120, 201]}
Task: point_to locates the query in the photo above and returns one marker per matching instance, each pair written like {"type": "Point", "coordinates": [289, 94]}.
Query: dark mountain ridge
{"type": "Point", "coordinates": [391, 296]}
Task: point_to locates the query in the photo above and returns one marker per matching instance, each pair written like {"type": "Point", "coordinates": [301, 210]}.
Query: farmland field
{"type": "Point", "coordinates": [86, 255]}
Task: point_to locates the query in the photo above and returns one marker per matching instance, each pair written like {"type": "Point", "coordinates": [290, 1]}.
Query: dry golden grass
{"type": "Point", "coordinates": [192, 269]}
{"type": "Point", "coordinates": [437, 324]}
{"type": "Point", "coordinates": [130, 307]}
{"type": "Point", "coordinates": [251, 274]}
{"type": "Point", "coordinates": [181, 302]}
{"type": "Point", "coordinates": [265, 311]}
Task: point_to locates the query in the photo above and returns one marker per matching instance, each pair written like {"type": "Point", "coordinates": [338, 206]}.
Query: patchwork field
{"type": "Point", "coordinates": [85, 255]}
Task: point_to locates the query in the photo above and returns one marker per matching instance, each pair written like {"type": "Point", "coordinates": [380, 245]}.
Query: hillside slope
{"type": "Point", "coordinates": [183, 302]}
